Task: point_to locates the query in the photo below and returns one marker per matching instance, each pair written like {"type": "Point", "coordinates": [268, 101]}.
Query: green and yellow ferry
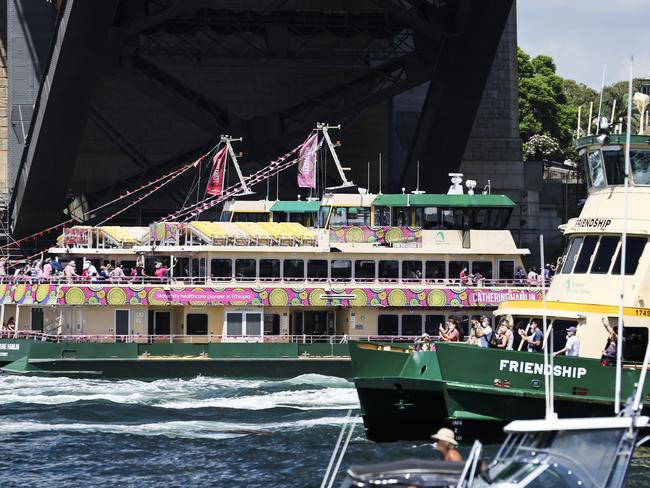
{"type": "Point", "coordinates": [272, 289]}
{"type": "Point", "coordinates": [408, 394]}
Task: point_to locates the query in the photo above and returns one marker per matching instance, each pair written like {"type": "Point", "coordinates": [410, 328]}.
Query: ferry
{"type": "Point", "coordinates": [408, 394]}
{"type": "Point", "coordinates": [266, 289]}
{"type": "Point", "coordinates": [272, 289]}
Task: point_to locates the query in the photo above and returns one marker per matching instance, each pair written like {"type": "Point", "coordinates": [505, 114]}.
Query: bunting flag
{"type": "Point", "coordinates": [307, 162]}
{"type": "Point", "coordinates": [215, 185]}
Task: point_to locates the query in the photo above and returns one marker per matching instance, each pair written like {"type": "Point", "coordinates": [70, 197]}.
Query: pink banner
{"type": "Point", "coordinates": [215, 185]}
{"type": "Point", "coordinates": [307, 164]}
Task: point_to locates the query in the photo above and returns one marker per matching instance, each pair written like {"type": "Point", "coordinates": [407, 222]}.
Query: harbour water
{"type": "Point", "coordinates": [199, 432]}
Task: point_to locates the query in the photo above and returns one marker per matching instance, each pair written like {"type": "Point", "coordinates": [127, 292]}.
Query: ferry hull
{"type": "Point", "coordinates": [151, 361]}
{"type": "Point", "coordinates": [471, 390]}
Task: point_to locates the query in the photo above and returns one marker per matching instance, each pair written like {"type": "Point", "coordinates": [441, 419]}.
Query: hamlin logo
{"type": "Point", "coordinates": [526, 367]}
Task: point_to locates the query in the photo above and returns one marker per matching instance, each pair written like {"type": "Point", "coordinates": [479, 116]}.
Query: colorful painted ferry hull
{"type": "Point", "coordinates": [151, 361]}
{"type": "Point", "coordinates": [474, 391]}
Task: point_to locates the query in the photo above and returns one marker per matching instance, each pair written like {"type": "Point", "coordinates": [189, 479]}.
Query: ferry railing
{"type": "Point", "coordinates": [212, 281]}
{"type": "Point", "coordinates": [205, 339]}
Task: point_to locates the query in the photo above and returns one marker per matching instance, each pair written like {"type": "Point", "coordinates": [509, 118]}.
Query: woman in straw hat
{"type": "Point", "coordinates": [446, 444]}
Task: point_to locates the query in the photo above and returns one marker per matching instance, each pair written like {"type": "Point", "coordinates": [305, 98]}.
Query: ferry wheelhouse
{"type": "Point", "coordinates": [586, 291]}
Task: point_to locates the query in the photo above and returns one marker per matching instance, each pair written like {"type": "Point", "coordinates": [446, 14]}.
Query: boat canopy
{"type": "Point", "coordinates": [442, 200]}
{"type": "Point", "coordinates": [296, 206]}
{"type": "Point", "coordinates": [545, 425]}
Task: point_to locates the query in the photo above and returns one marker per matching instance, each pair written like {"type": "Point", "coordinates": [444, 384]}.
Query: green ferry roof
{"type": "Point", "coordinates": [612, 139]}
{"type": "Point", "coordinates": [443, 200]}
{"type": "Point", "coordinates": [296, 206]}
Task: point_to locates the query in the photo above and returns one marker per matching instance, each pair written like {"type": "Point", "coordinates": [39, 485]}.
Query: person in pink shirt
{"type": "Point", "coordinates": [47, 270]}
{"type": "Point", "coordinates": [70, 272]}
{"type": "Point", "coordinates": [162, 272]}
{"type": "Point", "coordinates": [118, 273]}
{"type": "Point", "coordinates": [451, 332]}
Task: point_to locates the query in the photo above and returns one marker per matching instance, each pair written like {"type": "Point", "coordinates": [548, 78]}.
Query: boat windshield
{"type": "Point", "coordinates": [591, 454]}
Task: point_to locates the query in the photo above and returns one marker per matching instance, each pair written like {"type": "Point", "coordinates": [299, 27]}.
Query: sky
{"type": "Point", "coordinates": [583, 35]}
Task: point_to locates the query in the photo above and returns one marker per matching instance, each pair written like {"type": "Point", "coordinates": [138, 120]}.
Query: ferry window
{"type": "Point", "coordinates": [280, 217]}
{"type": "Point", "coordinates": [596, 168]}
{"type": "Point", "coordinates": [181, 267]}
{"type": "Point", "coordinates": [574, 246]}
{"type": "Point", "coordinates": [401, 216]}
{"type": "Point", "coordinates": [452, 219]}
{"type": "Point", "coordinates": [317, 269]}
{"type": "Point", "coordinates": [382, 216]}
{"type": "Point", "coordinates": [37, 319]}
{"type": "Point", "coordinates": [245, 269]}
{"type": "Point", "coordinates": [427, 217]}
{"type": "Point", "coordinates": [293, 269]}
{"type": "Point", "coordinates": [432, 323]}
{"type": "Point", "coordinates": [584, 258]}
{"type": "Point", "coordinates": [435, 270]}
{"type": "Point", "coordinates": [455, 267]}
{"type": "Point", "coordinates": [221, 269]}
{"type": "Point", "coordinates": [198, 267]}
{"type": "Point", "coordinates": [364, 270]}
{"type": "Point", "coordinates": [341, 269]}
{"type": "Point", "coordinates": [640, 162]}
{"type": "Point", "coordinates": [234, 324]}
{"type": "Point", "coordinates": [482, 267]}
{"type": "Point", "coordinates": [506, 270]}
{"type": "Point", "coordinates": [339, 216]}
{"type": "Point", "coordinates": [614, 167]}
{"type": "Point", "coordinates": [225, 217]}
{"type": "Point", "coordinates": [271, 324]}
{"type": "Point", "coordinates": [322, 216]}
{"type": "Point", "coordinates": [388, 270]}
{"type": "Point", "coordinates": [635, 341]}
{"type": "Point", "coordinates": [358, 216]}
{"type": "Point", "coordinates": [411, 325]}
{"type": "Point", "coordinates": [388, 325]}
{"type": "Point", "coordinates": [250, 217]}
{"type": "Point", "coordinates": [253, 324]}
{"type": "Point", "coordinates": [412, 270]}
{"type": "Point", "coordinates": [605, 253]}
{"type": "Point", "coordinates": [633, 253]}
{"type": "Point", "coordinates": [197, 324]}
{"type": "Point", "coordinates": [269, 269]}
{"type": "Point", "coordinates": [499, 218]}
{"type": "Point", "coordinates": [480, 218]}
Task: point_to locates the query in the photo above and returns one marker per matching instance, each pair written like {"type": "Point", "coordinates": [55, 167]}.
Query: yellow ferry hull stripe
{"type": "Point", "coordinates": [553, 307]}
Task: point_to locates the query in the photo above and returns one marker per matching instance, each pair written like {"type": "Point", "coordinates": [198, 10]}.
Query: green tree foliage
{"type": "Point", "coordinates": [543, 104]}
{"type": "Point", "coordinates": [548, 106]}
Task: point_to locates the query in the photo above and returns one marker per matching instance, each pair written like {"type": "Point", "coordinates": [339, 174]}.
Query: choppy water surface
{"type": "Point", "coordinates": [204, 431]}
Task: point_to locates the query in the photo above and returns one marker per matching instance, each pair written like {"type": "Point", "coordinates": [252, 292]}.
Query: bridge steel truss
{"type": "Point", "coordinates": [376, 48]}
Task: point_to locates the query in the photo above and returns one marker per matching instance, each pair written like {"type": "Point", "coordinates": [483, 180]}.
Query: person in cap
{"type": "Point", "coordinates": [446, 444]}
{"type": "Point", "coordinates": [572, 347]}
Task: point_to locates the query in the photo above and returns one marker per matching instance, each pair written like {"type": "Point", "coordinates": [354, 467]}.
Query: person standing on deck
{"type": "Point", "coordinates": [572, 347]}
{"type": "Point", "coordinates": [484, 332]}
{"type": "Point", "coordinates": [533, 277]}
{"type": "Point", "coordinates": [449, 333]}
{"type": "Point", "coordinates": [70, 272]}
{"type": "Point", "coordinates": [446, 444]}
{"type": "Point", "coordinates": [535, 338]}
{"type": "Point", "coordinates": [47, 270]}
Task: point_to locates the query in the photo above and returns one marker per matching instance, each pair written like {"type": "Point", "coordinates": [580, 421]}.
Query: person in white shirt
{"type": "Point", "coordinates": [484, 332]}
{"type": "Point", "coordinates": [533, 277]}
{"type": "Point", "coordinates": [572, 347]}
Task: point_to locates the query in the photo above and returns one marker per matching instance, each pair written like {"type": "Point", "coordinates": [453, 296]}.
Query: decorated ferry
{"type": "Point", "coordinates": [603, 277]}
{"type": "Point", "coordinates": [268, 288]}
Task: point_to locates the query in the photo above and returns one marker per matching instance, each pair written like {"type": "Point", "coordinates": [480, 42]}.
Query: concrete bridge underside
{"type": "Point", "coordinates": [125, 90]}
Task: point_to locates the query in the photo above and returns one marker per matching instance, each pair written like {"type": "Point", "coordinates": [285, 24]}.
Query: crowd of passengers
{"type": "Point", "coordinates": [51, 269]}
{"type": "Point", "coordinates": [531, 338]}
{"type": "Point", "coordinates": [84, 270]}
